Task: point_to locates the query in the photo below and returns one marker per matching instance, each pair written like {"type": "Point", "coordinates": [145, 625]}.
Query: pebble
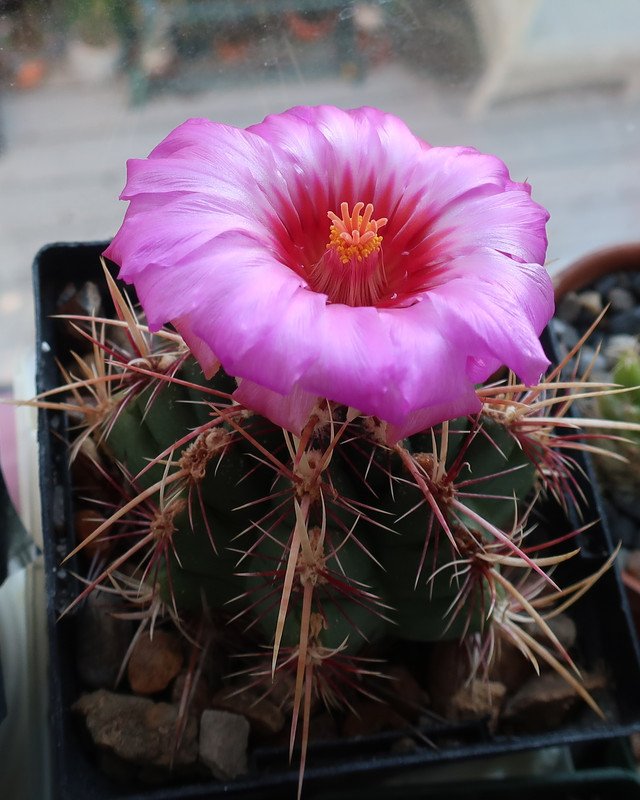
{"type": "Point", "coordinates": [626, 322]}
{"type": "Point", "coordinates": [154, 662]}
{"type": "Point", "coordinates": [544, 702]}
{"type": "Point", "coordinates": [102, 641]}
{"type": "Point", "coordinates": [85, 300]}
{"type": "Point", "coordinates": [478, 699]}
{"type": "Point", "coordinates": [591, 302]}
{"type": "Point", "coordinates": [589, 356]}
{"type": "Point", "coordinates": [282, 690]}
{"type": "Point", "coordinates": [619, 345]}
{"type": "Point", "coordinates": [569, 308]}
{"type": "Point", "coordinates": [607, 283]}
{"type": "Point", "coordinates": [224, 738]}
{"type": "Point", "coordinates": [620, 331]}
{"type": "Point", "coordinates": [265, 717]}
{"type": "Point", "coordinates": [566, 333]}
{"type": "Point", "coordinates": [137, 729]}
{"type": "Point", "coordinates": [621, 299]}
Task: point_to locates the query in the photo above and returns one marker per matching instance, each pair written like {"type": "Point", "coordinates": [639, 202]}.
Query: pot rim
{"type": "Point", "coordinates": [588, 268]}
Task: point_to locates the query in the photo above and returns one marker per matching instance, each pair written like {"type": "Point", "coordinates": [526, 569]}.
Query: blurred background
{"type": "Point", "coordinates": [551, 86]}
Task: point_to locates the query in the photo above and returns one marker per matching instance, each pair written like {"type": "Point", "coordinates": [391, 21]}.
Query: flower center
{"type": "Point", "coordinates": [351, 270]}
{"type": "Point", "coordinates": [355, 236]}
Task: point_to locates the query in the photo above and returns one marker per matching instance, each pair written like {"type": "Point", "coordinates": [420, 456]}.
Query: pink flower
{"type": "Point", "coordinates": [329, 253]}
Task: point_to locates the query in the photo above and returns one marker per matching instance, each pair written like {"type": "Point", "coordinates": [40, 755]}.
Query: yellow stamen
{"type": "Point", "coordinates": [355, 236]}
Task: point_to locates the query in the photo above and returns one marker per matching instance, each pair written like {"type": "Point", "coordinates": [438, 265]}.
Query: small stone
{"type": "Point", "coordinates": [265, 717]}
{"type": "Point", "coordinates": [605, 284]}
{"type": "Point", "coordinates": [223, 743]}
{"type": "Point", "coordinates": [591, 302]}
{"type": "Point", "coordinates": [478, 699]}
{"type": "Point", "coordinates": [569, 308]}
{"type": "Point", "coordinates": [155, 662]}
{"type": "Point", "coordinates": [137, 729]}
{"type": "Point", "coordinates": [85, 301]}
{"type": "Point", "coordinates": [627, 322]}
{"type": "Point", "coordinates": [590, 357]}
{"type": "Point", "coordinates": [620, 345]}
{"type": "Point", "coordinates": [621, 299]}
{"type": "Point", "coordinates": [368, 717]}
{"type": "Point", "coordinates": [102, 641]}
{"type": "Point", "coordinates": [565, 332]}
{"type": "Point", "coordinates": [544, 702]}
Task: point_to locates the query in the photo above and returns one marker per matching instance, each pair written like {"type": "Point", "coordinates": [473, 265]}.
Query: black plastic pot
{"type": "Point", "coordinates": [605, 633]}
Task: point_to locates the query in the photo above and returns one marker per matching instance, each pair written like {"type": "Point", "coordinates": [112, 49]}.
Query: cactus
{"type": "Point", "coordinates": [314, 547]}
{"type": "Point", "coordinates": [619, 466]}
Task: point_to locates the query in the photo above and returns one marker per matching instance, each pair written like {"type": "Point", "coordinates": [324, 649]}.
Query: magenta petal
{"type": "Point", "coordinates": [251, 311]}
{"type": "Point", "coordinates": [290, 411]}
{"type": "Point", "coordinates": [354, 363]}
{"type": "Point", "coordinates": [200, 349]}
{"type": "Point", "coordinates": [498, 319]}
{"type": "Point", "coordinates": [386, 363]}
{"type": "Point", "coordinates": [420, 420]}
{"type": "Point", "coordinates": [508, 222]}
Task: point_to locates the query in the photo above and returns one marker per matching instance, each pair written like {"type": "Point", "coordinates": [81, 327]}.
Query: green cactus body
{"type": "Point", "coordinates": [375, 527]}
{"type": "Point", "coordinates": [624, 406]}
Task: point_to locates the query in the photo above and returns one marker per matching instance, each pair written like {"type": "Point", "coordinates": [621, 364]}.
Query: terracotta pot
{"type": "Point", "coordinates": [589, 268]}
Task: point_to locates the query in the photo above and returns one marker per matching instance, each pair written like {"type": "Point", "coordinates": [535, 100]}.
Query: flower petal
{"type": "Point", "coordinates": [290, 411]}
{"type": "Point", "coordinates": [460, 200]}
{"type": "Point", "coordinates": [497, 316]}
{"type": "Point", "coordinates": [204, 179]}
{"type": "Point", "coordinates": [424, 418]}
{"type": "Point", "coordinates": [253, 313]}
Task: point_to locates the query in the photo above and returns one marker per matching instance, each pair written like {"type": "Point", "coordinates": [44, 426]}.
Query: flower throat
{"type": "Point", "coordinates": [351, 271]}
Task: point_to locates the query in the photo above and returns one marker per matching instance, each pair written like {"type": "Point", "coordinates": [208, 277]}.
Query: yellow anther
{"type": "Point", "coordinates": [355, 236]}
